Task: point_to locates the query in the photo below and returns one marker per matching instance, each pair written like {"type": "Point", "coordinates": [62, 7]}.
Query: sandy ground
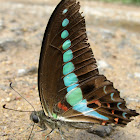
{"type": "Point", "coordinates": [114, 35]}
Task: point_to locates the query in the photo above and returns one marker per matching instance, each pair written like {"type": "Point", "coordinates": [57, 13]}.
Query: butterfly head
{"type": "Point", "coordinates": [35, 117]}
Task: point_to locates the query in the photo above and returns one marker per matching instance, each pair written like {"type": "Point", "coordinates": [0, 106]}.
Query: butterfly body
{"type": "Point", "coordinates": [71, 90]}
{"type": "Point", "coordinates": [44, 121]}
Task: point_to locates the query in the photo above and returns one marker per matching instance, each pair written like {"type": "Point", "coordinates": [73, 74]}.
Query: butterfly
{"type": "Point", "coordinates": [71, 90]}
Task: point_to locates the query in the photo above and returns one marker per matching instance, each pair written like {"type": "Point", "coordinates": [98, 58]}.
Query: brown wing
{"type": "Point", "coordinates": [69, 81]}
{"type": "Point", "coordinates": [50, 63]}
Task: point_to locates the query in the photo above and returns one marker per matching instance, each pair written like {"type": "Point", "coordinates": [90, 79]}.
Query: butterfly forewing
{"type": "Point", "coordinates": [69, 82]}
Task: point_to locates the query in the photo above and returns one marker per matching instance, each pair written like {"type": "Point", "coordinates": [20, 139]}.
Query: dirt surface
{"type": "Point", "coordinates": [114, 35]}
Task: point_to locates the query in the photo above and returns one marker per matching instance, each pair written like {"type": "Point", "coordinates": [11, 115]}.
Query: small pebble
{"type": "Point", "coordinates": [6, 115]}
{"type": "Point", "coordinates": [19, 108]}
{"type": "Point", "coordinates": [23, 72]}
{"type": "Point", "coordinates": [2, 100]}
{"type": "Point", "coordinates": [8, 99]}
{"type": "Point", "coordinates": [10, 94]}
{"type": "Point", "coordinates": [18, 102]}
{"type": "Point", "coordinates": [102, 64]}
{"type": "Point", "coordinates": [137, 75]}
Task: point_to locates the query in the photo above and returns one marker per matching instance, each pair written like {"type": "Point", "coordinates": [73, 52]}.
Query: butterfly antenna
{"type": "Point", "coordinates": [4, 106]}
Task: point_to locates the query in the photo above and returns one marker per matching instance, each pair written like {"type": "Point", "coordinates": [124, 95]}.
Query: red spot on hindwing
{"type": "Point", "coordinates": [97, 102]}
{"type": "Point", "coordinates": [62, 106]}
{"type": "Point", "coordinates": [108, 105]}
{"type": "Point", "coordinates": [116, 120]}
{"type": "Point", "coordinates": [112, 111]}
{"type": "Point", "coordinates": [59, 105]}
{"type": "Point", "coordinates": [104, 122]}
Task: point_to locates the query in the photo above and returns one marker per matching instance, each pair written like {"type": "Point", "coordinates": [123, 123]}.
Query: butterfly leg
{"type": "Point", "coordinates": [49, 134]}
{"type": "Point", "coordinates": [32, 136]}
{"type": "Point", "coordinates": [42, 130]}
{"type": "Point", "coordinates": [61, 133]}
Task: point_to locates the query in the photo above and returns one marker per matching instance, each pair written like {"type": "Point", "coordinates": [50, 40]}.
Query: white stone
{"type": "Point", "coordinates": [102, 64]}
{"type": "Point", "coordinates": [136, 74]}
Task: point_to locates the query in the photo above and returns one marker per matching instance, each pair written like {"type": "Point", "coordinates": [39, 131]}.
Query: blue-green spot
{"type": "Point", "coordinates": [104, 90]}
{"type": "Point", "coordinates": [66, 44]}
{"type": "Point", "coordinates": [64, 34]}
{"type": "Point", "coordinates": [82, 106]}
{"type": "Point", "coordinates": [112, 94]}
{"type": "Point", "coordinates": [67, 56]}
{"type": "Point", "coordinates": [67, 68]}
{"type": "Point", "coordinates": [124, 113]}
{"type": "Point", "coordinates": [74, 96]}
{"type": "Point", "coordinates": [72, 87]}
{"type": "Point", "coordinates": [65, 22]}
{"type": "Point", "coordinates": [65, 11]}
{"type": "Point", "coordinates": [54, 115]}
{"type": "Point", "coordinates": [97, 115]}
{"type": "Point", "coordinates": [70, 79]}
{"type": "Point", "coordinates": [118, 105]}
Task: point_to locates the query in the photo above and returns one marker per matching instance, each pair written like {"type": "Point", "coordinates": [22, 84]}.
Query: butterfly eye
{"type": "Point", "coordinates": [35, 118]}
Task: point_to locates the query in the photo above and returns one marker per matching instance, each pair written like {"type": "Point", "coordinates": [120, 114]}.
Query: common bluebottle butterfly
{"type": "Point", "coordinates": [71, 90]}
